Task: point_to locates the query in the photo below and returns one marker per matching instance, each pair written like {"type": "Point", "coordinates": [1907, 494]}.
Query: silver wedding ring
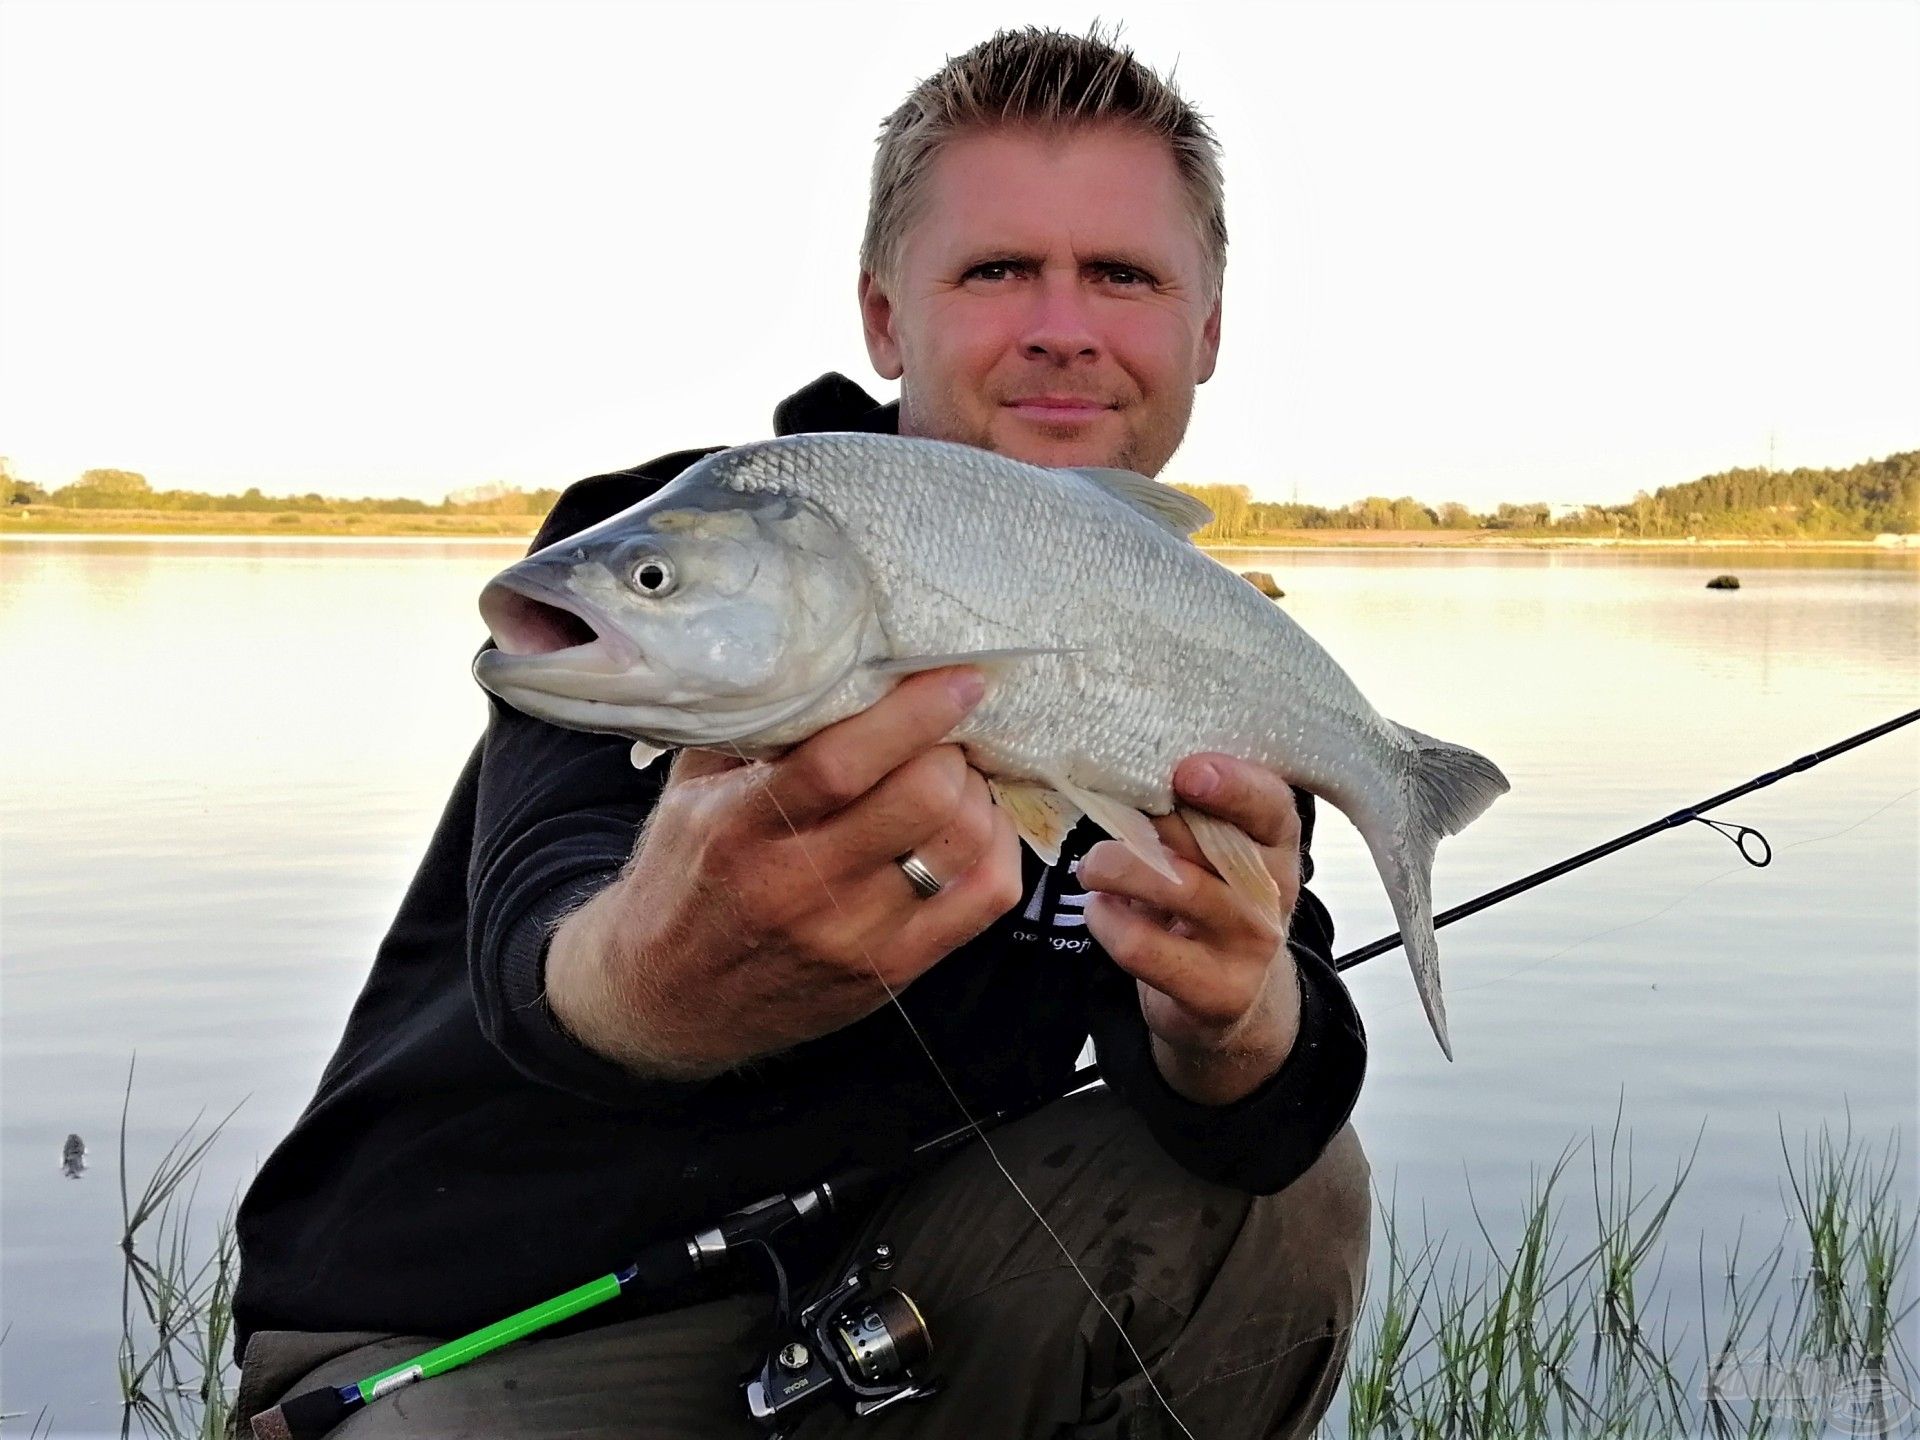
{"type": "Point", "coordinates": [924, 880]}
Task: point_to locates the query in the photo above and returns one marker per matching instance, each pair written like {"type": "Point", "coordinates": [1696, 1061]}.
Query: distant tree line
{"type": "Point", "coordinates": [1855, 503]}
{"type": "Point", "coordinates": [128, 490]}
{"type": "Point", "coordinates": [1238, 516]}
{"type": "Point", "coordinates": [1869, 499]}
{"type": "Point", "coordinates": [1859, 502]}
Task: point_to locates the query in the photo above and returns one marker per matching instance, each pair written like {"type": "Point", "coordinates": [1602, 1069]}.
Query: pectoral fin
{"type": "Point", "coordinates": [1125, 824]}
{"type": "Point", "coordinates": [985, 659]}
{"type": "Point", "coordinates": [1231, 852]}
{"type": "Point", "coordinates": [1041, 814]}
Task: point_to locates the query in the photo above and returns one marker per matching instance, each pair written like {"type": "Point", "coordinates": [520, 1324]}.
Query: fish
{"type": "Point", "coordinates": [775, 588]}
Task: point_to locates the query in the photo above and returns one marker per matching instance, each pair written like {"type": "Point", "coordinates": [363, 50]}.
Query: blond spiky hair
{"type": "Point", "coordinates": [1048, 80]}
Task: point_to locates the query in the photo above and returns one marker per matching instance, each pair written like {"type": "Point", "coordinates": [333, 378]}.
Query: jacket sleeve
{"type": "Point", "coordinates": [556, 817]}
{"type": "Point", "coordinates": [556, 820]}
{"type": "Point", "coordinates": [1264, 1141]}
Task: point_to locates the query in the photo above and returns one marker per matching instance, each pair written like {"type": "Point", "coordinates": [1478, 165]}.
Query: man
{"type": "Point", "coordinates": [574, 1043]}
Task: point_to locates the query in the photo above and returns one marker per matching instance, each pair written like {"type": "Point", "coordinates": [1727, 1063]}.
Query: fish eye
{"type": "Point", "coordinates": [652, 575]}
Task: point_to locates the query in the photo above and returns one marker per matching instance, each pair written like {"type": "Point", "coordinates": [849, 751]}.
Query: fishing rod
{"type": "Point", "coordinates": [862, 1337]}
{"type": "Point", "coordinates": [1759, 857]}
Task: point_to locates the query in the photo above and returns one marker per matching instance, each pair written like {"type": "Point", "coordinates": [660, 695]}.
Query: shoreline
{"type": "Point", "coordinates": [44, 522]}
{"type": "Point", "coordinates": [231, 526]}
{"type": "Point", "coordinates": [1485, 541]}
{"type": "Point", "coordinates": [216, 537]}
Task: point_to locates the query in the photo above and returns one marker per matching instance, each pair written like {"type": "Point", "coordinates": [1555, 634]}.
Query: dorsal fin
{"type": "Point", "coordinates": [1164, 505]}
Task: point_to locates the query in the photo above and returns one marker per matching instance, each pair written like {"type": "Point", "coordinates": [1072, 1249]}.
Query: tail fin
{"type": "Point", "coordinates": [1448, 786]}
{"type": "Point", "coordinates": [1452, 785]}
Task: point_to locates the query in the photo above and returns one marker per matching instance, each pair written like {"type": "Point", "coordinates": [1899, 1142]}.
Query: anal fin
{"type": "Point", "coordinates": [1041, 814]}
{"type": "Point", "coordinates": [644, 754]}
{"type": "Point", "coordinates": [1126, 824]}
{"type": "Point", "coordinates": [1231, 852]}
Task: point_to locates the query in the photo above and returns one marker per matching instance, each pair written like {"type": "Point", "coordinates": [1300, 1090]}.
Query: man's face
{"type": "Point", "coordinates": [1052, 302]}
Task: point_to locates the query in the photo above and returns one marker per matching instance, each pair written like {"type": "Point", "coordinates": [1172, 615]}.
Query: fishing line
{"type": "Point", "coordinates": [1754, 849]}
{"type": "Point", "coordinates": [973, 1124]}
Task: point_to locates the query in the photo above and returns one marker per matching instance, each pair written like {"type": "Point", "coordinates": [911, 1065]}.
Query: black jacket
{"type": "Point", "coordinates": [464, 1157]}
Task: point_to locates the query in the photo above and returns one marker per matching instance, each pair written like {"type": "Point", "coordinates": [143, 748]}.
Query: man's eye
{"type": "Point", "coordinates": [1121, 275]}
{"type": "Point", "coordinates": [992, 270]}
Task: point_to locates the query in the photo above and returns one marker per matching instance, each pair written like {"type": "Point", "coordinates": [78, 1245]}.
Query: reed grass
{"type": "Point", "coordinates": [1545, 1335]}
{"type": "Point", "coordinates": [176, 1295]}
{"type": "Point", "coordinates": [1560, 1330]}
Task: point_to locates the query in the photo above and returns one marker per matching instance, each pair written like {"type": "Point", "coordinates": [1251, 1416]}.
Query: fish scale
{"type": "Point", "coordinates": [828, 566]}
{"type": "Point", "coordinates": [1174, 653]}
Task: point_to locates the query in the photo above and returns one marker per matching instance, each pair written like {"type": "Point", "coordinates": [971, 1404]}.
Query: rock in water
{"type": "Point", "coordinates": [1264, 583]}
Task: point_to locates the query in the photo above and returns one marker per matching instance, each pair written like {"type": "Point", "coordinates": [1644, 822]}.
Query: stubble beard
{"type": "Point", "coordinates": [939, 417]}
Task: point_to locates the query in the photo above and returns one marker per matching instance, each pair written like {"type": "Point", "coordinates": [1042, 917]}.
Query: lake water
{"type": "Point", "coordinates": [224, 758]}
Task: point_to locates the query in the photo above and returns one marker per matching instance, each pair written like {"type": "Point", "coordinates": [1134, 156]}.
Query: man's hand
{"type": "Point", "coordinates": [1218, 987]}
{"type": "Point", "coordinates": [762, 898]}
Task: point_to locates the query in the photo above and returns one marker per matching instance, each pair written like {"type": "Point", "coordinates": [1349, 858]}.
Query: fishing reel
{"type": "Point", "coordinates": [864, 1340]}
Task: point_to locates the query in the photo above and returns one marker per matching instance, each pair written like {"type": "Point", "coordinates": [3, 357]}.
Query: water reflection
{"type": "Point", "coordinates": [225, 759]}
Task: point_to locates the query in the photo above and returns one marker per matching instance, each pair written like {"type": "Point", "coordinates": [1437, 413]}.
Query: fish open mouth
{"type": "Point", "coordinates": [528, 619]}
{"type": "Point", "coordinates": [524, 624]}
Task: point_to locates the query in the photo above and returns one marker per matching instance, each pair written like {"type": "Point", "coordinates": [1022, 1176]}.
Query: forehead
{"type": "Point", "coordinates": [1101, 189]}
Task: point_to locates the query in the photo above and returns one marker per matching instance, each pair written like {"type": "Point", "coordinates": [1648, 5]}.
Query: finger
{"type": "Point", "coordinates": [1215, 989]}
{"type": "Point", "coordinates": [958, 845]}
{"type": "Point", "coordinates": [1195, 895]}
{"type": "Point", "coordinates": [875, 901]}
{"type": "Point", "coordinates": [1251, 796]}
{"type": "Point", "coordinates": [970, 901]}
{"type": "Point", "coordinates": [835, 767]}
{"type": "Point", "coordinates": [907, 810]}
{"type": "Point", "coordinates": [1177, 837]}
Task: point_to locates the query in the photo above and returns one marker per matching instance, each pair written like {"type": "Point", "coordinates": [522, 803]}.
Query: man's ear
{"type": "Point", "coordinates": [1209, 345]}
{"type": "Point", "coordinates": [876, 319]}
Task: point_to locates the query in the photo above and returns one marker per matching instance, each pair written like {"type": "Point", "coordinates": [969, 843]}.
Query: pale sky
{"type": "Point", "coordinates": [1545, 250]}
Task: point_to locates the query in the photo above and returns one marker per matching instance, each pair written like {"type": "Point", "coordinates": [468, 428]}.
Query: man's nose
{"type": "Point", "coordinates": [1060, 325]}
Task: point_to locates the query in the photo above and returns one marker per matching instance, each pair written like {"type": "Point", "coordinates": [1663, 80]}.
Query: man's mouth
{"type": "Point", "coordinates": [1059, 409]}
